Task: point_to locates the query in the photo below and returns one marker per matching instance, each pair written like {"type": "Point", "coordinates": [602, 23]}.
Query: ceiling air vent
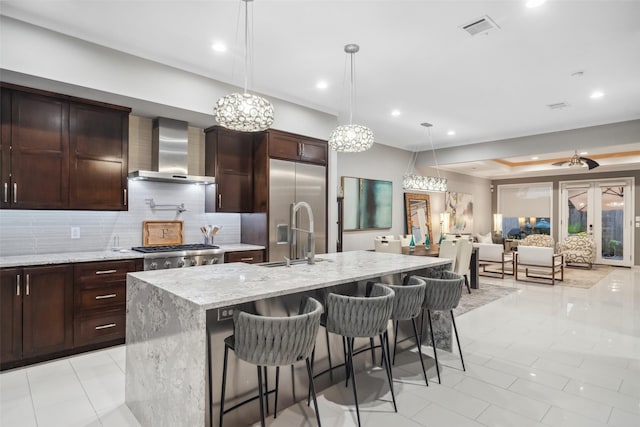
{"type": "Point", "coordinates": [480, 26]}
{"type": "Point", "coordinates": [558, 106]}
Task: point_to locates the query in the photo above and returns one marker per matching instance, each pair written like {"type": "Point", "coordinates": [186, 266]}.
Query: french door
{"type": "Point", "coordinates": [603, 209]}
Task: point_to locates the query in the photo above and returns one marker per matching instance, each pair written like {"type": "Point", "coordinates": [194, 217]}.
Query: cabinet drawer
{"type": "Point", "coordinates": [250, 257]}
{"type": "Point", "coordinates": [99, 327]}
{"type": "Point", "coordinates": [103, 272]}
{"type": "Point", "coordinates": [92, 298]}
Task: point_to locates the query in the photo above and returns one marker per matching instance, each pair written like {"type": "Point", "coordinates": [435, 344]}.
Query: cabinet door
{"type": "Point", "coordinates": [250, 257]}
{"type": "Point", "coordinates": [313, 152]}
{"type": "Point", "coordinates": [284, 146]}
{"type": "Point", "coordinates": [98, 138]}
{"type": "Point", "coordinates": [10, 315]}
{"type": "Point", "coordinates": [231, 153]}
{"type": "Point", "coordinates": [38, 136]}
{"type": "Point", "coordinates": [47, 310]}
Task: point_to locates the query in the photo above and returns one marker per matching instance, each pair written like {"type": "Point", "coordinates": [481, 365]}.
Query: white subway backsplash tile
{"type": "Point", "coordinates": [25, 232]}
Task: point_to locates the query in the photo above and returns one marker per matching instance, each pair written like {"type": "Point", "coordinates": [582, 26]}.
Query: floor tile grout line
{"type": "Point", "coordinates": [33, 405]}
{"type": "Point", "coordinates": [75, 372]}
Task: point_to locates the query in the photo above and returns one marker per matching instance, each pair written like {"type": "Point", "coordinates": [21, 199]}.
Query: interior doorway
{"type": "Point", "coordinates": [603, 209]}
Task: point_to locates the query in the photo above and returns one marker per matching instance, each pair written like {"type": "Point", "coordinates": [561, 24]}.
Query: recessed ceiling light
{"type": "Point", "coordinates": [597, 94]}
{"type": "Point", "coordinates": [584, 153]}
{"type": "Point", "coordinates": [451, 132]}
{"type": "Point", "coordinates": [395, 113]}
{"type": "Point", "coordinates": [535, 158]}
{"type": "Point", "coordinates": [219, 47]}
{"type": "Point", "coordinates": [535, 3]}
{"type": "Point", "coordinates": [322, 84]}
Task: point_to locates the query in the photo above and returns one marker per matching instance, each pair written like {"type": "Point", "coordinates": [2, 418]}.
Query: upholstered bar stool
{"type": "Point", "coordinates": [362, 317]}
{"type": "Point", "coordinates": [442, 294]}
{"type": "Point", "coordinates": [407, 305]}
{"type": "Point", "coordinates": [273, 341]}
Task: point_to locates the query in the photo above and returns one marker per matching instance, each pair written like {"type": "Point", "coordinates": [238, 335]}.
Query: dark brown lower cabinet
{"type": "Point", "coordinates": [40, 316]}
{"type": "Point", "coordinates": [53, 311]}
{"type": "Point", "coordinates": [10, 315]}
{"type": "Point", "coordinates": [250, 257]}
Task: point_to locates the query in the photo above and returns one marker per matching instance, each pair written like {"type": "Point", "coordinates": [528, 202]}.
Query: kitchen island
{"type": "Point", "coordinates": [171, 315]}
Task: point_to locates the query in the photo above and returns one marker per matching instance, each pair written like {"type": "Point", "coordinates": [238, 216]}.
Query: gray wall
{"type": "Point", "coordinates": [390, 164]}
{"type": "Point", "coordinates": [556, 195]}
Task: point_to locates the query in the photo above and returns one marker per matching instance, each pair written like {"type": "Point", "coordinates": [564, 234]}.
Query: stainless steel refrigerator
{"type": "Point", "coordinates": [289, 183]}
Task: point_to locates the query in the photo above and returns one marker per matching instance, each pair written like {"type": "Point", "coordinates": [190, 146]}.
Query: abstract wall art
{"type": "Point", "coordinates": [367, 203]}
{"type": "Point", "coordinates": [459, 206]}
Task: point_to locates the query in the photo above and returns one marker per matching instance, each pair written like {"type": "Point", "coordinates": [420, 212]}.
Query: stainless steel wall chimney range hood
{"type": "Point", "coordinates": [169, 155]}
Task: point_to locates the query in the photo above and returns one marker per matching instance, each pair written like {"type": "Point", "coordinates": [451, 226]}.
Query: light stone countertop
{"type": "Point", "coordinates": [228, 284]}
{"type": "Point", "coordinates": [73, 257]}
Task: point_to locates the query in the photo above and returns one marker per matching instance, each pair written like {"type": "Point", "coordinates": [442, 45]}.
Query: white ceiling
{"type": "Point", "coordinates": [414, 57]}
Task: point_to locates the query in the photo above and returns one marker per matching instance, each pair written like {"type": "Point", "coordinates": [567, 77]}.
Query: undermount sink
{"type": "Point", "coordinates": [291, 263]}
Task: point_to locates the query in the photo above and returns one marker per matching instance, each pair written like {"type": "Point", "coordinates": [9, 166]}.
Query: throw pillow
{"type": "Point", "coordinates": [484, 238]}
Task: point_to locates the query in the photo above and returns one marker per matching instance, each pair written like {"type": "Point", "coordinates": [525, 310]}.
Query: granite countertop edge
{"type": "Point", "coordinates": [90, 256]}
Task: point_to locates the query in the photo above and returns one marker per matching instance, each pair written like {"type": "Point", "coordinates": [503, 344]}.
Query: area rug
{"type": "Point", "coordinates": [478, 297]}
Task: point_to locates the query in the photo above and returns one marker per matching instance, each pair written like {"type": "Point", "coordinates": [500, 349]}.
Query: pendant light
{"type": "Point", "coordinates": [414, 182]}
{"type": "Point", "coordinates": [351, 138]}
{"type": "Point", "coordinates": [244, 112]}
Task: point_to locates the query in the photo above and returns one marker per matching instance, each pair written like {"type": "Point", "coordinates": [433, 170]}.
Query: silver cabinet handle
{"type": "Point", "coordinates": [302, 149]}
{"type": "Point", "coordinates": [17, 285]}
{"type": "Point", "coordinates": [15, 192]}
{"type": "Point", "coordinates": [107, 326]}
{"type": "Point", "coordinates": [27, 286]}
{"type": "Point", "coordinates": [6, 192]}
{"type": "Point", "coordinates": [219, 201]}
{"type": "Point", "coordinates": [246, 259]}
{"type": "Point", "coordinates": [106, 271]}
{"type": "Point", "coordinates": [125, 196]}
{"type": "Point", "coordinates": [105, 296]}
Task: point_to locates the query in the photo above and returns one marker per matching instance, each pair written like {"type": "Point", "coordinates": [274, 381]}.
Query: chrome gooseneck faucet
{"type": "Point", "coordinates": [311, 247]}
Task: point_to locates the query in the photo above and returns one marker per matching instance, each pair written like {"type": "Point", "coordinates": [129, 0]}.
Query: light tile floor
{"type": "Point", "coordinates": [542, 356]}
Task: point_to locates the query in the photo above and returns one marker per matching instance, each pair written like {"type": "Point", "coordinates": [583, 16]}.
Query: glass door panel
{"type": "Point", "coordinates": [601, 209]}
{"type": "Point", "coordinates": [614, 230]}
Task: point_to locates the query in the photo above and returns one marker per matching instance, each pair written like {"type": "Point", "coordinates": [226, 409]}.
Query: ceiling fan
{"type": "Point", "coordinates": [576, 160]}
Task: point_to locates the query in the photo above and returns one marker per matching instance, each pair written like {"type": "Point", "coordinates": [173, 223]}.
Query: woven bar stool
{"type": "Point", "coordinates": [442, 294]}
{"type": "Point", "coordinates": [362, 317]}
{"type": "Point", "coordinates": [273, 341]}
{"type": "Point", "coordinates": [407, 305]}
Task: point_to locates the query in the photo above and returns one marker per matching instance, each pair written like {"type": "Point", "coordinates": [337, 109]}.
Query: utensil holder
{"type": "Point", "coordinates": [208, 240]}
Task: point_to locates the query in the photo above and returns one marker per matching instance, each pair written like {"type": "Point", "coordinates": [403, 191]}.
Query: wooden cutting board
{"type": "Point", "coordinates": [158, 233]}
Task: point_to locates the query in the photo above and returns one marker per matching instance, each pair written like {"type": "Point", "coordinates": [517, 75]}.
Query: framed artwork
{"type": "Point", "coordinates": [367, 203]}
{"type": "Point", "coordinates": [418, 210]}
{"type": "Point", "coordinates": [459, 206]}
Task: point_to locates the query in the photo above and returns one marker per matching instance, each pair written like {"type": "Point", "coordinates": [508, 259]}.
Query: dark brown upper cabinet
{"type": "Point", "coordinates": [35, 151]}
{"type": "Point", "coordinates": [61, 152]}
{"type": "Point", "coordinates": [289, 146]}
{"type": "Point", "coordinates": [229, 157]}
{"type": "Point", "coordinates": [99, 143]}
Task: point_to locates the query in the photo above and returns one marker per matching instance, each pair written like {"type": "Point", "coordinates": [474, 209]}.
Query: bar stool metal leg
{"type": "Point", "coordinates": [353, 376]}
{"type": "Point", "coordinates": [433, 342]}
{"type": "Point", "coordinates": [224, 383]}
{"type": "Point", "coordinates": [453, 320]}
{"type": "Point", "coordinates": [313, 390]}
{"type": "Point", "coordinates": [419, 348]}
{"type": "Point", "coordinates": [261, 396]}
{"type": "Point", "coordinates": [384, 344]}
{"type": "Point", "coordinates": [275, 405]}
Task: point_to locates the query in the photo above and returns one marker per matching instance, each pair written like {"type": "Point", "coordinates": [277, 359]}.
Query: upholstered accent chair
{"type": "Point", "coordinates": [493, 255]}
{"type": "Point", "coordinates": [539, 263]}
{"type": "Point", "coordinates": [579, 249]}
{"type": "Point", "coordinates": [538, 240]}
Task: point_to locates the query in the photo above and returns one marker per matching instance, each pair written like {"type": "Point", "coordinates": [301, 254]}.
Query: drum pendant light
{"type": "Point", "coordinates": [244, 111]}
{"type": "Point", "coordinates": [351, 138]}
{"type": "Point", "coordinates": [413, 182]}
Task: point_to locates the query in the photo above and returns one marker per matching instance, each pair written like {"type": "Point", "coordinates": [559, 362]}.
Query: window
{"type": "Point", "coordinates": [525, 209]}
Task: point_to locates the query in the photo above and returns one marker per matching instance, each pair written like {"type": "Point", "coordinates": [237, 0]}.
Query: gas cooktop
{"type": "Point", "coordinates": [174, 248]}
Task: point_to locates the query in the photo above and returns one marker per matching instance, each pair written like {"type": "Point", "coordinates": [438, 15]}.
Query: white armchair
{"type": "Point", "coordinates": [492, 254]}
{"type": "Point", "coordinates": [541, 261]}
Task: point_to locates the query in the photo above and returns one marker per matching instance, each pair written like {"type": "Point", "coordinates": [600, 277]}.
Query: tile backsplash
{"type": "Point", "coordinates": [24, 232]}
